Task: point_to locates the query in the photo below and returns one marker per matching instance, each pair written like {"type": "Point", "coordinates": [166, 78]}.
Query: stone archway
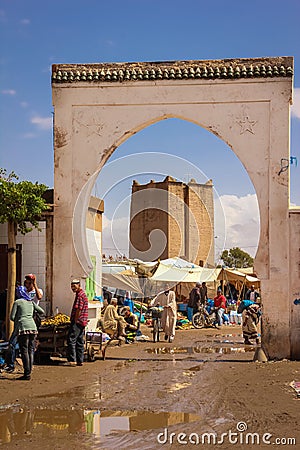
{"type": "Point", "coordinates": [245, 102]}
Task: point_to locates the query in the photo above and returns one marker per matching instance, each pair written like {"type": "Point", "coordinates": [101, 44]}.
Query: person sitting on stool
{"type": "Point", "coordinates": [113, 324]}
{"type": "Point", "coordinates": [132, 324]}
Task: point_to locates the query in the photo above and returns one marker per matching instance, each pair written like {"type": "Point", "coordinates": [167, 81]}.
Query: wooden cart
{"type": "Point", "coordinates": [52, 341]}
{"type": "Point", "coordinates": [95, 347]}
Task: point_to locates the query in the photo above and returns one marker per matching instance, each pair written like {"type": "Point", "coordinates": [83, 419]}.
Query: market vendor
{"type": "Point", "coordinates": [113, 323]}
{"type": "Point", "coordinates": [79, 320]}
{"type": "Point", "coordinates": [132, 323]}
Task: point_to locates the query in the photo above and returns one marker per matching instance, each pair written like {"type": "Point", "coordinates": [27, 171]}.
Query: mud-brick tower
{"type": "Point", "coordinates": [171, 218]}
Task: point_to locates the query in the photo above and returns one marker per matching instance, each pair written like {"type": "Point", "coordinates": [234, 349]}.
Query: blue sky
{"type": "Point", "coordinates": [36, 34]}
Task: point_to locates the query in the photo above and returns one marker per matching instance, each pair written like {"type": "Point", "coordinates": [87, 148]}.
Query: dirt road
{"type": "Point", "coordinates": [204, 382]}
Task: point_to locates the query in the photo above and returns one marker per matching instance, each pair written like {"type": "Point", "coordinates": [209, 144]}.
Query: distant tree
{"type": "Point", "coordinates": [21, 207]}
{"type": "Point", "coordinates": [236, 257]}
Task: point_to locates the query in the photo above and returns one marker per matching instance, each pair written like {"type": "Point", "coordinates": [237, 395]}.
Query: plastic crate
{"type": "Point", "coordinates": [182, 307]}
{"type": "Point", "coordinates": [94, 337]}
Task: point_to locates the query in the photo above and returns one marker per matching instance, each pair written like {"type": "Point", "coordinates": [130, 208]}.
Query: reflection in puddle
{"type": "Point", "coordinates": [177, 387]}
{"type": "Point", "coordinates": [197, 349]}
{"type": "Point", "coordinates": [195, 368]}
{"type": "Point", "coordinates": [47, 423]}
{"type": "Point", "coordinates": [218, 341]}
{"type": "Point", "coordinates": [93, 391]}
{"type": "Point", "coordinates": [228, 335]}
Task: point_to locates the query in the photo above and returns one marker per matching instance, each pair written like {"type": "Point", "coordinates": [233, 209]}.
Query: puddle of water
{"type": "Point", "coordinates": [191, 372]}
{"type": "Point", "coordinates": [224, 350]}
{"type": "Point", "coordinates": [93, 391]}
{"type": "Point", "coordinates": [198, 349]}
{"type": "Point", "coordinates": [229, 335]}
{"type": "Point", "coordinates": [142, 371]}
{"type": "Point", "coordinates": [177, 387]}
{"type": "Point", "coordinates": [195, 368]}
{"type": "Point", "coordinates": [212, 340]}
{"type": "Point", "coordinates": [45, 424]}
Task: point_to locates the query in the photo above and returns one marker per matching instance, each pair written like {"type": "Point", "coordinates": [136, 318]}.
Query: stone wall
{"type": "Point", "coordinates": [244, 102]}
{"type": "Point", "coordinates": [33, 257]}
{"type": "Point", "coordinates": [184, 214]}
{"type": "Point", "coordinates": [294, 298]}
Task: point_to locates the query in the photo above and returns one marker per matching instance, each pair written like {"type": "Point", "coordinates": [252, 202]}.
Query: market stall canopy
{"type": "Point", "coordinates": [126, 280]}
{"type": "Point", "coordinates": [177, 272]}
{"type": "Point", "coordinates": [145, 269]}
{"type": "Point", "coordinates": [178, 262]}
{"type": "Point", "coordinates": [246, 270]}
{"type": "Point", "coordinates": [232, 275]}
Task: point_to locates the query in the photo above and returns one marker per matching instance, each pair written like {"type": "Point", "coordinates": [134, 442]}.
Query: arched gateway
{"type": "Point", "coordinates": [246, 102]}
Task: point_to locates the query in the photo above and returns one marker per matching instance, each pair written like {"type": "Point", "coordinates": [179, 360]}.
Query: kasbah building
{"type": "Point", "coordinates": [172, 219]}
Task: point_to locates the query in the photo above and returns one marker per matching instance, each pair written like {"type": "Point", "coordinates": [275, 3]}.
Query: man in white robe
{"type": "Point", "coordinates": [167, 300]}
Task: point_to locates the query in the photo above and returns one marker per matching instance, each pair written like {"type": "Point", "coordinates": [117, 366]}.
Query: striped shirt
{"type": "Point", "coordinates": [81, 303]}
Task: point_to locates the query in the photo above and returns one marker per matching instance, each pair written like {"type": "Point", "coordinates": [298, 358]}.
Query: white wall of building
{"type": "Point", "coordinates": [34, 257]}
{"type": "Point", "coordinates": [33, 252]}
{"type": "Point", "coordinates": [95, 249]}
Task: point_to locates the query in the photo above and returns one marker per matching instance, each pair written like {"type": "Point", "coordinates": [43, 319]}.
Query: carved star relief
{"type": "Point", "coordinates": [92, 128]}
{"type": "Point", "coordinates": [246, 125]}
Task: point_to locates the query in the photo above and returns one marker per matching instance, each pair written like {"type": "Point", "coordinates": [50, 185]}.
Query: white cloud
{"type": "Point", "coordinates": [295, 110]}
{"type": "Point", "coordinates": [2, 15]}
{"type": "Point", "coordinates": [43, 123]}
{"type": "Point", "coordinates": [47, 69]}
{"type": "Point", "coordinates": [24, 104]}
{"type": "Point", "coordinates": [9, 92]}
{"type": "Point", "coordinates": [25, 22]}
{"type": "Point", "coordinates": [29, 135]}
{"type": "Point", "coordinates": [242, 222]}
{"type": "Point", "coordinates": [115, 235]}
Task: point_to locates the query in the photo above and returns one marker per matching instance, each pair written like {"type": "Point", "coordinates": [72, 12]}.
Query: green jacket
{"type": "Point", "coordinates": [22, 315]}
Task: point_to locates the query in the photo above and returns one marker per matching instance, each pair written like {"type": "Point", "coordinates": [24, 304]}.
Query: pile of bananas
{"type": "Point", "coordinates": [53, 426]}
{"type": "Point", "coordinates": [58, 319]}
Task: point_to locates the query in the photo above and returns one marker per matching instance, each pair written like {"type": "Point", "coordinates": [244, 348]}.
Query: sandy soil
{"type": "Point", "coordinates": [206, 372]}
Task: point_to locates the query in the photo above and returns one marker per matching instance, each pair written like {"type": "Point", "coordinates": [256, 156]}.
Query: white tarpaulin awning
{"type": "Point", "coordinates": [122, 281]}
{"type": "Point", "coordinates": [173, 274]}
{"type": "Point", "coordinates": [236, 275]}
{"type": "Point", "coordinates": [180, 273]}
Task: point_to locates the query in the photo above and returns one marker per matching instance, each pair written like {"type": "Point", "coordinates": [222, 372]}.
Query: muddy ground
{"type": "Point", "coordinates": [204, 382]}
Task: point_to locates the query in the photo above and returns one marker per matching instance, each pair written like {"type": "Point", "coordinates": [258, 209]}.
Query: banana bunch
{"type": "Point", "coordinates": [58, 319]}
{"type": "Point", "coordinates": [53, 426]}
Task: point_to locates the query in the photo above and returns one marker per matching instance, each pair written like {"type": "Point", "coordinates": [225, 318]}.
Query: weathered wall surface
{"type": "Point", "coordinates": [182, 213]}
{"type": "Point", "coordinates": [247, 108]}
{"type": "Point", "coordinates": [201, 204]}
{"type": "Point", "coordinates": [33, 252]}
{"type": "Point", "coordinates": [177, 236]}
{"type": "Point", "coordinates": [149, 221]}
{"type": "Point", "coordinates": [294, 297]}
{"type": "Point", "coordinates": [33, 256]}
